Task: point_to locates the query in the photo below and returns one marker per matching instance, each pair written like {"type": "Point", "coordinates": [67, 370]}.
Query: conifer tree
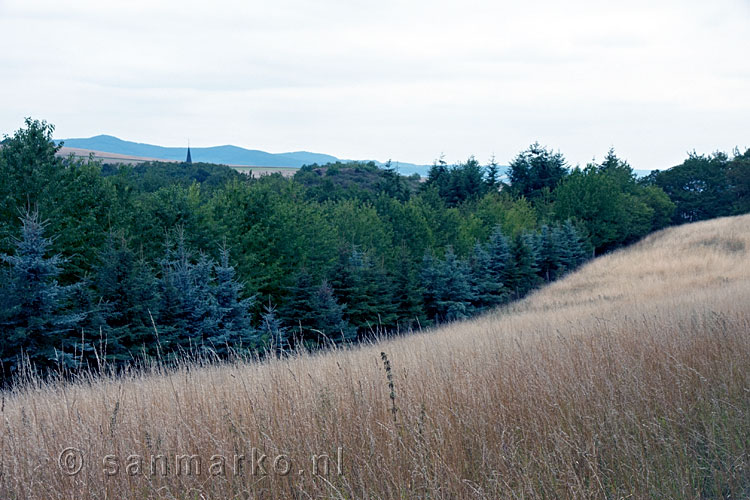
{"type": "Point", "coordinates": [521, 275]}
{"type": "Point", "coordinates": [492, 176]}
{"type": "Point", "coordinates": [499, 254]}
{"type": "Point", "coordinates": [565, 252]}
{"type": "Point", "coordinates": [549, 253]}
{"type": "Point", "coordinates": [126, 291]}
{"type": "Point", "coordinates": [298, 311]}
{"type": "Point", "coordinates": [189, 313]}
{"type": "Point", "coordinates": [234, 328]}
{"type": "Point", "coordinates": [407, 293]}
{"type": "Point", "coordinates": [455, 297]}
{"type": "Point", "coordinates": [329, 317]}
{"type": "Point", "coordinates": [535, 171]}
{"type": "Point", "coordinates": [432, 283]}
{"type": "Point", "coordinates": [365, 290]}
{"type": "Point", "coordinates": [271, 331]}
{"type": "Point", "coordinates": [486, 286]}
{"type": "Point", "coordinates": [34, 319]}
{"type": "Point", "coordinates": [576, 244]}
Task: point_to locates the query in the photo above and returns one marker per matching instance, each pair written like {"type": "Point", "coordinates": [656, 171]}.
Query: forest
{"type": "Point", "coordinates": [119, 264]}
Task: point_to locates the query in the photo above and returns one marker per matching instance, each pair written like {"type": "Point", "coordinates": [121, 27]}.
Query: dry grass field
{"type": "Point", "coordinates": [115, 158]}
{"type": "Point", "coordinates": [627, 379]}
{"type": "Point", "coordinates": [104, 157]}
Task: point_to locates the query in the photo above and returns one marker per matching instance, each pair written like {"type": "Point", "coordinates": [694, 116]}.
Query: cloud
{"type": "Point", "coordinates": [406, 80]}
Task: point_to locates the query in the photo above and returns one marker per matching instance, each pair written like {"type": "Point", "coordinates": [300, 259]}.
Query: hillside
{"type": "Point", "coordinates": [626, 379]}
{"type": "Point", "coordinates": [223, 155]}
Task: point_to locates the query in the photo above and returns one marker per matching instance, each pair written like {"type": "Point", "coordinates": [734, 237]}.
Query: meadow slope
{"type": "Point", "coordinates": [627, 379]}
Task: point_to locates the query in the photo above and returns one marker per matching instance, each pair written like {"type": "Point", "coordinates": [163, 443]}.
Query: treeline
{"type": "Point", "coordinates": [121, 263]}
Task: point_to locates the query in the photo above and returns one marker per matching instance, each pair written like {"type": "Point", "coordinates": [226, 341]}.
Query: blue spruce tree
{"type": "Point", "coordinates": [329, 321]}
{"type": "Point", "coordinates": [500, 260]}
{"type": "Point", "coordinates": [188, 310]}
{"type": "Point", "coordinates": [126, 289]}
{"type": "Point", "coordinates": [486, 285]}
{"type": "Point", "coordinates": [271, 332]}
{"type": "Point", "coordinates": [455, 296]}
{"type": "Point", "coordinates": [234, 328]}
{"type": "Point", "coordinates": [34, 318]}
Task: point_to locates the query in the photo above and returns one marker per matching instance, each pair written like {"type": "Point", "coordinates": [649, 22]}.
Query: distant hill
{"type": "Point", "coordinates": [231, 155]}
{"type": "Point", "coordinates": [225, 155]}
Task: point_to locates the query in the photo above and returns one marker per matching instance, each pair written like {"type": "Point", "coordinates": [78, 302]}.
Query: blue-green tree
{"type": "Point", "coordinates": [234, 329]}
{"type": "Point", "coordinates": [486, 284]}
{"type": "Point", "coordinates": [329, 323]}
{"type": "Point", "coordinates": [271, 333]}
{"type": "Point", "coordinates": [35, 319]}
{"type": "Point", "coordinates": [126, 292]}
{"type": "Point", "coordinates": [535, 171]}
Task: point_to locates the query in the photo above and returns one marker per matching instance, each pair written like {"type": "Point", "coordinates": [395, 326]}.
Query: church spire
{"type": "Point", "coordinates": [188, 159]}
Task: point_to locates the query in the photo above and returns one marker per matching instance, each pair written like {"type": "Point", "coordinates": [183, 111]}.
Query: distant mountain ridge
{"type": "Point", "coordinates": [234, 155]}
{"type": "Point", "coordinates": [226, 155]}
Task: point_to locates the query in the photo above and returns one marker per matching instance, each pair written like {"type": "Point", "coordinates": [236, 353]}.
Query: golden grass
{"type": "Point", "coordinates": [627, 379]}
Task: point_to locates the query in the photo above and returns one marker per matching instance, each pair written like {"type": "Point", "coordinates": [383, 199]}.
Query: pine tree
{"type": "Point", "coordinates": [34, 319]}
{"type": "Point", "coordinates": [576, 244]}
{"type": "Point", "coordinates": [298, 310]}
{"type": "Point", "coordinates": [27, 165]}
{"type": "Point", "coordinates": [126, 291]}
{"type": "Point", "coordinates": [329, 321]}
{"type": "Point", "coordinates": [233, 329]}
{"type": "Point", "coordinates": [492, 176]}
{"type": "Point", "coordinates": [189, 312]}
{"type": "Point", "coordinates": [455, 296]}
{"type": "Point", "coordinates": [271, 331]}
{"type": "Point", "coordinates": [432, 283]}
{"type": "Point", "coordinates": [383, 290]}
{"type": "Point", "coordinates": [407, 293]}
{"type": "Point", "coordinates": [535, 171]}
{"type": "Point", "coordinates": [565, 252]}
{"type": "Point", "coordinates": [365, 290]}
{"type": "Point", "coordinates": [549, 253]}
{"type": "Point", "coordinates": [486, 286]}
{"type": "Point", "coordinates": [499, 254]}
{"type": "Point", "coordinates": [521, 275]}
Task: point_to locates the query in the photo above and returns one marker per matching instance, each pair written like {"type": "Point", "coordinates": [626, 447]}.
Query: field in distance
{"type": "Point", "coordinates": [105, 157]}
{"type": "Point", "coordinates": [627, 379]}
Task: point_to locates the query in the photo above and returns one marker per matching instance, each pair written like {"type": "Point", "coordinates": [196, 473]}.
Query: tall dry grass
{"type": "Point", "coordinates": [627, 379]}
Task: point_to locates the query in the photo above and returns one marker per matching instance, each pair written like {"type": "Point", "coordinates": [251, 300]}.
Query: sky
{"type": "Point", "coordinates": [402, 80]}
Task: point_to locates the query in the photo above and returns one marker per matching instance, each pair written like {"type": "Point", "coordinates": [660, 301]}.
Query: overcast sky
{"type": "Point", "coordinates": [406, 80]}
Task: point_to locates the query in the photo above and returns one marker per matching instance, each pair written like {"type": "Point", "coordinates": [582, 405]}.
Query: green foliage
{"type": "Point", "coordinates": [151, 176]}
{"type": "Point", "coordinates": [610, 204]}
{"type": "Point", "coordinates": [71, 194]}
{"type": "Point", "coordinates": [329, 323]}
{"type": "Point", "coordinates": [447, 284]}
{"type": "Point", "coordinates": [126, 288]}
{"type": "Point", "coordinates": [353, 180]}
{"type": "Point", "coordinates": [407, 293]}
{"type": "Point", "coordinates": [344, 249]}
{"type": "Point", "coordinates": [365, 288]}
{"type": "Point", "coordinates": [704, 187]}
{"type": "Point", "coordinates": [314, 316]}
{"type": "Point", "coordinates": [536, 171]}
{"type": "Point", "coordinates": [201, 304]}
{"type": "Point", "coordinates": [738, 177]}
{"type": "Point", "coordinates": [459, 183]}
{"type": "Point", "coordinates": [298, 309]}
{"type": "Point", "coordinates": [520, 275]}
{"type": "Point", "coordinates": [492, 176]}
{"type": "Point", "coordinates": [487, 288]}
